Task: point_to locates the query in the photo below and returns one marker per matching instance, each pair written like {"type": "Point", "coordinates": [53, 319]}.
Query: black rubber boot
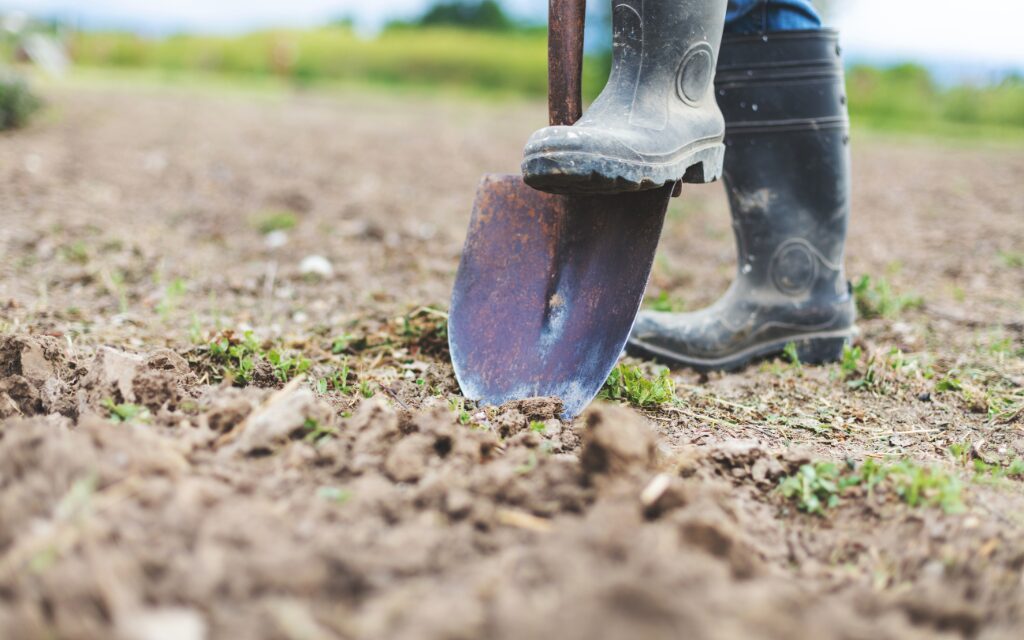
{"type": "Point", "coordinates": [656, 121]}
{"type": "Point", "coordinates": [787, 173]}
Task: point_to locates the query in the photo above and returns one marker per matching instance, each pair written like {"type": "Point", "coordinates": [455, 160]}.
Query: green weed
{"type": "Point", "coordinates": [820, 486]}
{"type": "Point", "coordinates": [528, 466]}
{"type": "Point", "coordinates": [173, 294]}
{"type": "Point", "coordinates": [849, 366]}
{"type": "Point", "coordinates": [629, 384]}
{"type": "Point", "coordinates": [240, 359]}
{"type": "Point", "coordinates": [425, 332]}
{"type": "Point", "coordinates": [667, 304]}
{"type": "Point", "coordinates": [814, 487]}
{"type": "Point", "coordinates": [537, 427]}
{"type": "Point", "coordinates": [883, 375]}
{"type": "Point", "coordinates": [275, 220]}
{"type": "Point", "coordinates": [962, 454]}
{"type": "Point", "coordinates": [1012, 259]}
{"type": "Point", "coordinates": [125, 412]}
{"type": "Point", "coordinates": [340, 344]}
{"type": "Point", "coordinates": [336, 381]}
{"type": "Point", "coordinates": [792, 355]}
{"type": "Point", "coordinates": [76, 252]}
{"type": "Point", "coordinates": [876, 299]}
{"type": "Point", "coordinates": [1005, 347]}
{"type": "Point", "coordinates": [235, 357]}
{"type": "Point", "coordinates": [458, 406]}
{"type": "Point", "coordinates": [1016, 468]}
{"type": "Point", "coordinates": [336, 495]}
{"type": "Point", "coordinates": [918, 485]}
{"type": "Point", "coordinates": [1005, 405]}
{"type": "Point", "coordinates": [869, 380]}
{"type": "Point", "coordinates": [315, 432]}
{"type": "Point", "coordinates": [287, 367]}
{"type": "Point", "coordinates": [949, 383]}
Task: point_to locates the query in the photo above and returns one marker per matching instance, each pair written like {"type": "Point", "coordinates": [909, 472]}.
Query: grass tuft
{"type": "Point", "coordinates": [628, 384]}
{"type": "Point", "coordinates": [876, 298]}
{"type": "Point", "coordinates": [125, 412]}
{"type": "Point", "coordinates": [820, 486]}
{"type": "Point", "coordinates": [271, 221]}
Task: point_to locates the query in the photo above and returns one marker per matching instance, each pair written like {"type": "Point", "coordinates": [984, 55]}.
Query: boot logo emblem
{"type": "Point", "coordinates": [695, 73]}
{"type": "Point", "coordinates": [794, 267]}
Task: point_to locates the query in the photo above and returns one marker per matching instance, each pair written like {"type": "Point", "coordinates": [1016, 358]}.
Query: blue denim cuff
{"type": "Point", "coordinates": [766, 16]}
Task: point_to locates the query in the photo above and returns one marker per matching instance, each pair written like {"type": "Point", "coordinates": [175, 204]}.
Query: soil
{"type": "Point", "coordinates": [151, 487]}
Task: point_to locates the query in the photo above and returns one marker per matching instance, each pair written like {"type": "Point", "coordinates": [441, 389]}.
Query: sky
{"type": "Point", "coordinates": [982, 33]}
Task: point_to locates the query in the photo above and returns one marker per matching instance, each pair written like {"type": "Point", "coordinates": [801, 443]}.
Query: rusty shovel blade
{"type": "Point", "coordinates": [548, 289]}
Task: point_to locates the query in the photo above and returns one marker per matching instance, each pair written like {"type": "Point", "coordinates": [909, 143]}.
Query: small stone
{"type": "Point", "coordinates": [284, 413]}
{"type": "Point", "coordinates": [316, 266]}
{"type": "Point", "coordinates": [275, 239]}
{"type": "Point", "coordinates": [164, 624]}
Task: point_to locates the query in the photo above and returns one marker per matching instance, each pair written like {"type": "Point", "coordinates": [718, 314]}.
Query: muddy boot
{"type": "Point", "coordinates": [787, 173]}
{"type": "Point", "coordinates": [656, 121]}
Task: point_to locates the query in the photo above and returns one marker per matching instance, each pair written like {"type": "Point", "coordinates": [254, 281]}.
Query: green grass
{"type": "Point", "coordinates": [820, 486]}
{"type": "Point", "coordinates": [666, 303]}
{"type": "Point", "coordinates": [876, 298]}
{"type": "Point", "coordinates": [792, 355]}
{"type": "Point", "coordinates": [628, 384]}
{"type": "Point", "coordinates": [274, 220]}
{"type": "Point", "coordinates": [236, 357]}
{"type": "Point", "coordinates": [125, 412]}
{"type": "Point", "coordinates": [336, 495]}
{"type": "Point", "coordinates": [315, 432]}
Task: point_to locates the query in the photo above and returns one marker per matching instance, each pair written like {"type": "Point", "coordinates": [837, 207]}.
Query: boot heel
{"type": "Point", "coordinates": [821, 350]}
{"type": "Point", "coordinates": [705, 165]}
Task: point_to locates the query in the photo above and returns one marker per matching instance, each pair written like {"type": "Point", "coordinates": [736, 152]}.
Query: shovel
{"type": "Point", "coordinates": [549, 285]}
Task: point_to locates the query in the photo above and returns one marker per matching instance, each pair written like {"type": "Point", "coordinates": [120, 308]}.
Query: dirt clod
{"type": "Point", "coordinates": [616, 441]}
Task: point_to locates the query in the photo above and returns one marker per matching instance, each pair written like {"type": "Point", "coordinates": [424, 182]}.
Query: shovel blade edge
{"type": "Point", "coordinates": [547, 290]}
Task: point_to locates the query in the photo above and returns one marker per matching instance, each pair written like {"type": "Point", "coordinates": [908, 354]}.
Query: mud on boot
{"type": "Point", "coordinates": [787, 174]}
{"type": "Point", "coordinates": [656, 121]}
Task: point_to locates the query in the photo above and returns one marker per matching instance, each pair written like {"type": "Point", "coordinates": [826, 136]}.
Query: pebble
{"type": "Point", "coordinates": [316, 266]}
{"type": "Point", "coordinates": [276, 239]}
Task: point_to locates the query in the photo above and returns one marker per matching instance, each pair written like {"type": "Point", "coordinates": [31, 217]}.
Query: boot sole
{"type": "Point", "coordinates": [811, 348]}
{"type": "Point", "coordinates": [570, 172]}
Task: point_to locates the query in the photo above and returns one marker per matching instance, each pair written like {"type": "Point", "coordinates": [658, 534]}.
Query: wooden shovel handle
{"type": "Point", "coordinates": [565, 60]}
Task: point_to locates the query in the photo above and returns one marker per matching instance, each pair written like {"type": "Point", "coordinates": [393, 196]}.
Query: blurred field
{"type": "Point", "coordinates": [901, 99]}
{"type": "Point", "coordinates": [506, 62]}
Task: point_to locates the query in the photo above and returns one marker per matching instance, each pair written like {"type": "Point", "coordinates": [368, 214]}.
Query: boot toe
{"type": "Point", "coordinates": [579, 140]}
{"type": "Point", "coordinates": [580, 160]}
{"type": "Point", "coordinates": [676, 336]}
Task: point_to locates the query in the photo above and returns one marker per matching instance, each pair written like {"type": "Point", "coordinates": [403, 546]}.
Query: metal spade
{"type": "Point", "coordinates": [549, 285]}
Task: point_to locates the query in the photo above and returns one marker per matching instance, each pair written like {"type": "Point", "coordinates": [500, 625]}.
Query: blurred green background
{"type": "Point", "coordinates": [475, 47]}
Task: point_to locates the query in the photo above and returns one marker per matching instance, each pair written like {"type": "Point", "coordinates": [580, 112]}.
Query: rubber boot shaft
{"type": "Point", "coordinates": [656, 121]}
{"type": "Point", "coordinates": [787, 175]}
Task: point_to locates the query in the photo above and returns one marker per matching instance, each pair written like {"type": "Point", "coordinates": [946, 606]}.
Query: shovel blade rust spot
{"type": "Point", "coordinates": [548, 289]}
